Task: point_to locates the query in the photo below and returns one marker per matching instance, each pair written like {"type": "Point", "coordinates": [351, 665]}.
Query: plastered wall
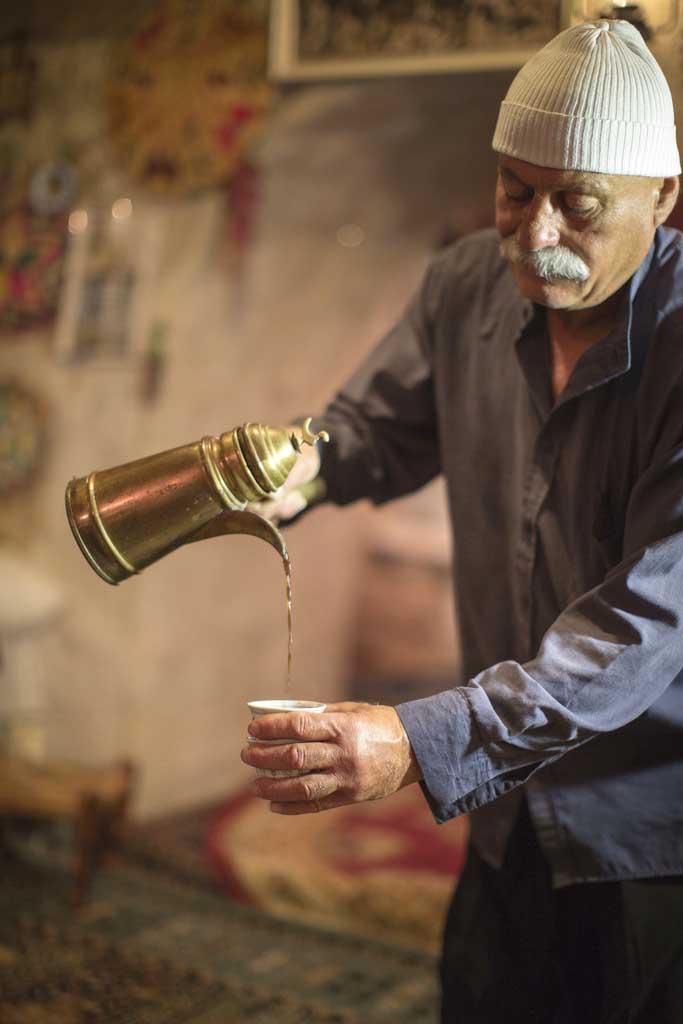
{"type": "Point", "coordinates": [160, 668]}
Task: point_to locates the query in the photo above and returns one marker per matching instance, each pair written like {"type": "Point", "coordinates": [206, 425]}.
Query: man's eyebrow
{"type": "Point", "coordinates": [588, 182]}
{"type": "Point", "coordinates": [576, 181]}
{"type": "Point", "coordinates": [505, 172]}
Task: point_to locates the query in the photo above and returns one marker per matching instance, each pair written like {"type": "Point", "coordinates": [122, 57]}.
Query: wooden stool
{"type": "Point", "coordinates": [95, 799]}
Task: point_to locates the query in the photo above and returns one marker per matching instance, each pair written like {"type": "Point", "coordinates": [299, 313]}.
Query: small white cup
{"type": "Point", "coordinates": [277, 707]}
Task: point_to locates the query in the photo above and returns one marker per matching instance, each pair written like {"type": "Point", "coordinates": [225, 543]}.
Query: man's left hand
{"type": "Point", "coordinates": [353, 752]}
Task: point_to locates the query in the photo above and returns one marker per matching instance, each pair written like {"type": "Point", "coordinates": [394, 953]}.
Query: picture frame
{"type": "Point", "coordinates": [110, 264]}
{"type": "Point", "coordinates": [317, 40]}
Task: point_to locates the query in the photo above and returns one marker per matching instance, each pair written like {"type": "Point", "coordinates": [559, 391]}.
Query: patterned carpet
{"type": "Point", "coordinates": [340, 870]}
{"type": "Point", "coordinates": [150, 949]}
{"type": "Point", "coordinates": [380, 870]}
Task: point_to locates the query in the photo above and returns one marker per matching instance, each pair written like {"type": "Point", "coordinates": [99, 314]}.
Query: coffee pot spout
{"type": "Point", "coordinates": [233, 522]}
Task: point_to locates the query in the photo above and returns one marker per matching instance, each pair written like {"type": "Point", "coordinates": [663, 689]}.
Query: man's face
{"type": "Point", "coordinates": [593, 230]}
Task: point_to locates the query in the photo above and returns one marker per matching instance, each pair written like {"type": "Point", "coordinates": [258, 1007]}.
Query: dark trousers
{"type": "Point", "coordinates": [518, 952]}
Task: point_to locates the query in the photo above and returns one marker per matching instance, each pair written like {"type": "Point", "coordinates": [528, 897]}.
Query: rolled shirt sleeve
{"type": "Point", "coordinates": [609, 656]}
{"type": "Point", "coordinates": [567, 520]}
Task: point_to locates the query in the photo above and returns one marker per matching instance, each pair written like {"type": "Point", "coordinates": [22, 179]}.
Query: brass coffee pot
{"type": "Point", "coordinates": [125, 518]}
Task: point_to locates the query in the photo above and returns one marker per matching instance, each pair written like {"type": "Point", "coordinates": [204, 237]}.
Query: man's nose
{"type": "Point", "coordinates": [539, 228]}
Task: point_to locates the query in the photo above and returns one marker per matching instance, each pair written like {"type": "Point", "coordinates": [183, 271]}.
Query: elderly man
{"type": "Point", "coordinates": [540, 369]}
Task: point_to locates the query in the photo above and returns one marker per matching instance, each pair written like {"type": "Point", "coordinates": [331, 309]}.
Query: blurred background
{"type": "Point", "coordinates": [209, 212]}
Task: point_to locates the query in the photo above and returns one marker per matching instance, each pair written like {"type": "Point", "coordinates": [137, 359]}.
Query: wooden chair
{"type": "Point", "coordinates": [95, 799]}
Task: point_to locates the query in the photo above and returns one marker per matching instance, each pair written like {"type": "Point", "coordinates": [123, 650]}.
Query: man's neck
{"type": "Point", "coordinates": [571, 332]}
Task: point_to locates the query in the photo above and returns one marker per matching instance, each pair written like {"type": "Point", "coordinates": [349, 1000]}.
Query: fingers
{"type": "Point", "coordinates": [296, 790]}
{"type": "Point", "coordinates": [303, 757]}
{"type": "Point", "coordinates": [295, 725]}
{"type": "Point", "coordinates": [280, 508]}
{"type": "Point", "coordinates": [286, 507]}
{"type": "Point", "coordinates": [296, 493]}
{"type": "Point", "coordinates": [312, 807]}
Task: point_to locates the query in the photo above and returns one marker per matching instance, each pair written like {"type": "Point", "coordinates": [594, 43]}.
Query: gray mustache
{"type": "Point", "coordinates": [553, 264]}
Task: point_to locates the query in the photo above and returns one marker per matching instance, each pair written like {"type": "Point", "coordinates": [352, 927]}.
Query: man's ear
{"type": "Point", "coordinates": [665, 199]}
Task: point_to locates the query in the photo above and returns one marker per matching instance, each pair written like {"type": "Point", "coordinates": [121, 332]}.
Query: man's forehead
{"type": "Point", "coordinates": [552, 177]}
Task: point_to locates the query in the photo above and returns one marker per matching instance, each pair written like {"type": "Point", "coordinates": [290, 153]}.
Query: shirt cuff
{"type": "Point", "coordinates": [448, 749]}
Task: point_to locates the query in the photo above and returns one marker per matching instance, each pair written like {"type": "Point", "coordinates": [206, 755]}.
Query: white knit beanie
{"type": "Point", "coordinates": [593, 99]}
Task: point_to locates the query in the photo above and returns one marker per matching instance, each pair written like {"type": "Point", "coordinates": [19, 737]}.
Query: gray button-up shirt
{"type": "Point", "coordinates": [568, 528]}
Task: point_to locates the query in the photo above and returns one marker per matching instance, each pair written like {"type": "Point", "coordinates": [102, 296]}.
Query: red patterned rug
{"type": "Point", "coordinates": [382, 869]}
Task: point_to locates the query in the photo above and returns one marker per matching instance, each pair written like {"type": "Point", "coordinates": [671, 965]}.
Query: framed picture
{"type": "Point", "coordinates": [23, 436]}
{"type": "Point", "coordinates": [324, 39]}
{"type": "Point", "coordinates": [111, 260]}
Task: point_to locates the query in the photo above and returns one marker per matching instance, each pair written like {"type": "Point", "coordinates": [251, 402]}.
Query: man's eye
{"type": "Point", "coordinates": [581, 206]}
{"type": "Point", "coordinates": [516, 197]}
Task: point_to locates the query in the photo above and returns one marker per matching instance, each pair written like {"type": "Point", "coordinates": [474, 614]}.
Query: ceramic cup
{"type": "Point", "coordinates": [278, 707]}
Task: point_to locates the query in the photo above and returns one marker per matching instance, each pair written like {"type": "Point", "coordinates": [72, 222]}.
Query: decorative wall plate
{"type": "Point", "coordinates": [53, 187]}
{"type": "Point", "coordinates": [32, 248]}
{"type": "Point", "coordinates": [22, 435]}
{"type": "Point", "coordinates": [187, 95]}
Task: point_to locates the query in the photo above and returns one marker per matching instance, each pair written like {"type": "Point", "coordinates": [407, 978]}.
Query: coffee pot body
{"type": "Point", "coordinates": [127, 517]}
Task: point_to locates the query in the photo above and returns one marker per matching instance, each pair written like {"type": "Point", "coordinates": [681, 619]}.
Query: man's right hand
{"type": "Point", "coordinates": [351, 752]}
{"type": "Point", "coordinates": [303, 487]}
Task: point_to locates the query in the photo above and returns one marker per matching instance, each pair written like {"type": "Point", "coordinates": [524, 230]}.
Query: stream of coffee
{"type": "Point", "coordinates": [288, 587]}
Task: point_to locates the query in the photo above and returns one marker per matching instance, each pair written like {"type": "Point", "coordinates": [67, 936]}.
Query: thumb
{"type": "Point", "coordinates": [281, 507]}
{"type": "Point", "coordinates": [345, 706]}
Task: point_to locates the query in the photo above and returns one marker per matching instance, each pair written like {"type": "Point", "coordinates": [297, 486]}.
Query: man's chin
{"type": "Point", "coordinates": [554, 294]}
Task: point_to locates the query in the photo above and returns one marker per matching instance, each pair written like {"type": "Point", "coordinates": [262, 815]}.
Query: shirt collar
{"type": "Point", "coordinates": [606, 359]}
